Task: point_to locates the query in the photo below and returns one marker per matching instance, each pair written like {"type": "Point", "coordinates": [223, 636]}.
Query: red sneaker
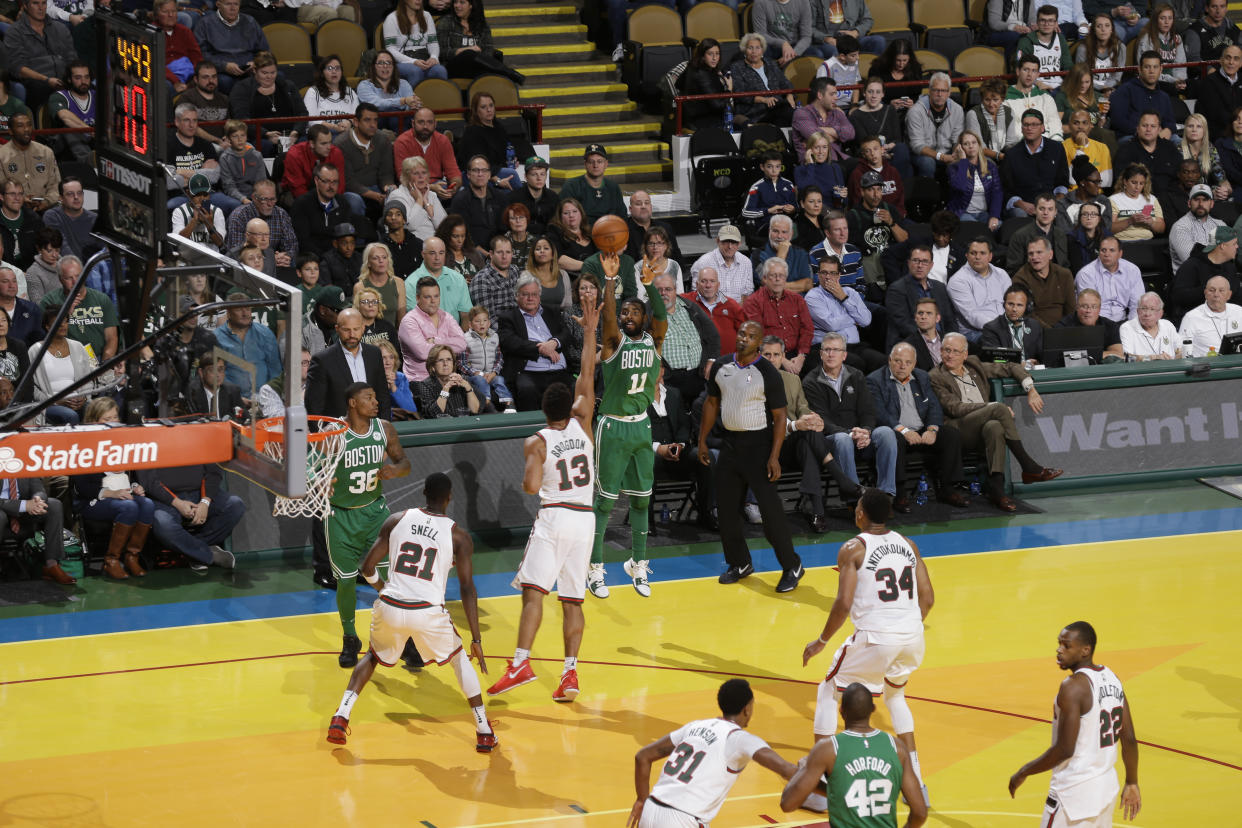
{"type": "Point", "coordinates": [487, 742]}
{"type": "Point", "coordinates": [513, 677]}
{"type": "Point", "coordinates": [568, 691]}
{"type": "Point", "coordinates": [338, 730]}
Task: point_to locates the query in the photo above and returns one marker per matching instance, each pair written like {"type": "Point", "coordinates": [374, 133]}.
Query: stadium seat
{"type": "Point", "coordinates": [344, 38]}
{"type": "Point", "coordinates": [439, 95]}
{"type": "Point", "coordinates": [502, 90]}
{"type": "Point", "coordinates": [865, 59]}
{"type": "Point", "coordinates": [932, 61]}
{"type": "Point", "coordinates": [653, 46]}
{"type": "Point", "coordinates": [980, 61]}
{"type": "Point", "coordinates": [801, 71]}
{"type": "Point", "coordinates": [943, 27]}
{"type": "Point", "coordinates": [378, 37]}
{"type": "Point", "coordinates": [711, 19]}
{"type": "Point", "coordinates": [721, 175]}
{"type": "Point", "coordinates": [892, 21]}
{"type": "Point", "coordinates": [729, 50]}
{"type": "Point", "coordinates": [290, 43]}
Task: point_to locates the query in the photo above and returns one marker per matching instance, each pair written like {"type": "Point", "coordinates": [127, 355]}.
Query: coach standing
{"type": "Point", "coordinates": [747, 393]}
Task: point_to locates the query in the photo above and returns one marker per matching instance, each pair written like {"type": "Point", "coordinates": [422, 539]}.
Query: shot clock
{"type": "Point", "coordinates": [130, 131]}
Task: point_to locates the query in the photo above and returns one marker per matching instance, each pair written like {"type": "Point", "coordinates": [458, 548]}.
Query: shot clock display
{"type": "Point", "coordinates": [130, 130]}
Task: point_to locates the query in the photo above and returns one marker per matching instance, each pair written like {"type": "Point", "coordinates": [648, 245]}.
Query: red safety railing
{"type": "Point", "coordinates": [680, 100]}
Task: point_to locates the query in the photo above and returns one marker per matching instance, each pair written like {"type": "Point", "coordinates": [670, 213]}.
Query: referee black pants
{"type": "Point", "coordinates": [742, 465]}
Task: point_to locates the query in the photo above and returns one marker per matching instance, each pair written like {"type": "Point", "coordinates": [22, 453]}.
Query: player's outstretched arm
{"type": "Point", "coordinates": [847, 582]}
{"type": "Point", "coordinates": [642, 775]}
{"type": "Point", "coordinates": [398, 464]}
{"type": "Point", "coordinates": [1131, 800]}
{"type": "Point", "coordinates": [611, 332]}
{"type": "Point", "coordinates": [910, 788]}
{"type": "Point", "coordinates": [463, 559]}
{"type": "Point", "coordinates": [806, 778]}
{"type": "Point", "coordinates": [927, 596]}
{"type": "Point", "coordinates": [584, 389]}
{"type": "Point", "coordinates": [773, 761]}
{"type": "Point", "coordinates": [535, 451]}
{"type": "Point", "coordinates": [378, 551]}
{"type": "Point", "coordinates": [1072, 699]}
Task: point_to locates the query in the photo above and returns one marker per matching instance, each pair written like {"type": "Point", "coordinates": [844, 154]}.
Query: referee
{"type": "Point", "coordinates": [748, 395]}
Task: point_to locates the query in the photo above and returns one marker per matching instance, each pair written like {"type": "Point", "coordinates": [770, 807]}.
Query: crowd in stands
{"type": "Point", "coordinates": [919, 216]}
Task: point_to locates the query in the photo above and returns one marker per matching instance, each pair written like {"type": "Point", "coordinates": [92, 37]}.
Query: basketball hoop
{"type": "Point", "coordinates": [325, 442]}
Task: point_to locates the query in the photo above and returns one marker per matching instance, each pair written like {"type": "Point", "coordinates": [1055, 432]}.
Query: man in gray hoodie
{"type": "Point", "coordinates": [786, 24]}
{"type": "Point", "coordinates": [933, 126]}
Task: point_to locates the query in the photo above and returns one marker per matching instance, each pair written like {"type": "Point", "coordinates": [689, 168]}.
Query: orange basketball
{"type": "Point", "coordinates": [611, 234]}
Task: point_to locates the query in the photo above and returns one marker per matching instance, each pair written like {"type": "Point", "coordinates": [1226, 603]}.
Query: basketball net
{"type": "Point", "coordinates": [323, 452]}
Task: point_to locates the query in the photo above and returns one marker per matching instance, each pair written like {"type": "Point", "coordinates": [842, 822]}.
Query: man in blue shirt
{"type": "Point", "coordinates": [780, 244]}
{"type": "Point", "coordinates": [837, 308]}
{"type": "Point", "coordinates": [254, 343]}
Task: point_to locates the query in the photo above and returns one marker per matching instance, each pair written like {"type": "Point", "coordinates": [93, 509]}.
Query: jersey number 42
{"type": "Point", "coordinates": [870, 797]}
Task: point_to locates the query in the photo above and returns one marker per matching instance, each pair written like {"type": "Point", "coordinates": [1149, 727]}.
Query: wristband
{"type": "Point", "coordinates": [476, 641]}
{"type": "Point", "coordinates": [821, 640]}
{"type": "Point", "coordinates": [1028, 384]}
{"type": "Point", "coordinates": [371, 579]}
{"type": "Point", "coordinates": [444, 393]}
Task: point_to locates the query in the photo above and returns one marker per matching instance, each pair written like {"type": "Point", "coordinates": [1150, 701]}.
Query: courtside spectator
{"type": "Point", "coordinates": [599, 196]}
{"type": "Point", "coordinates": [188, 154]}
{"type": "Point", "coordinates": [486, 136]}
{"type": "Point", "coordinates": [536, 196]}
{"type": "Point", "coordinates": [933, 126]}
{"type": "Point", "coordinates": [368, 159]}
{"type": "Point", "coordinates": [734, 271]}
{"type": "Point", "coordinates": [241, 165]}
{"type": "Point", "coordinates": [283, 240]}
{"type": "Point", "coordinates": [73, 108]}
{"type": "Point", "coordinates": [193, 513]}
{"type": "Point", "coordinates": [420, 207]}
{"type": "Point", "coordinates": [18, 224]}
{"type": "Point", "coordinates": [253, 343]}
{"type": "Point", "coordinates": [530, 340]}
{"type": "Point", "coordinates": [494, 288]}
{"type": "Point", "coordinates": [92, 319]}
{"type": "Point", "coordinates": [387, 90]}
{"type": "Point", "coordinates": [1036, 165]}
{"type": "Point", "coordinates": [330, 100]}
{"type": "Point", "coordinates": [1139, 95]}
{"type": "Point", "coordinates": [1046, 43]}
{"type": "Point", "coordinates": [725, 312]}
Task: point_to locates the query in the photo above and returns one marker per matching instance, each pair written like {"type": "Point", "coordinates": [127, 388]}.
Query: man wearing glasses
{"type": "Point", "coordinates": [963, 386]}
{"type": "Point", "coordinates": [905, 293]}
{"type": "Point", "coordinates": [478, 203]}
{"type": "Point", "coordinates": [317, 213]}
{"type": "Point", "coordinates": [282, 241]}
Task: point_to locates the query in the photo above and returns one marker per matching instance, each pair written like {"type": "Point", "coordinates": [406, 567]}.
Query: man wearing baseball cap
{"type": "Point", "coordinates": [873, 227]}
{"type": "Point", "coordinates": [734, 271]}
{"type": "Point", "coordinates": [1197, 226]}
{"type": "Point", "coordinates": [1216, 258]}
{"type": "Point", "coordinates": [197, 219]}
{"type": "Point", "coordinates": [599, 196]}
{"type": "Point", "coordinates": [537, 196]}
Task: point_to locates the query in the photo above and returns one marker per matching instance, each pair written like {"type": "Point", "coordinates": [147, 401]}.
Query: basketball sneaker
{"type": "Point", "coordinates": [486, 742]}
{"type": "Point", "coordinates": [595, 580]}
{"type": "Point", "coordinates": [338, 730]}
{"type": "Point", "coordinates": [513, 677]}
{"type": "Point", "coordinates": [351, 645]}
{"type": "Point", "coordinates": [638, 572]}
{"type": "Point", "coordinates": [568, 690]}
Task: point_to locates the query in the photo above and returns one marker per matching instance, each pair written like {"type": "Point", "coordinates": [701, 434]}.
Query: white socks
{"type": "Point", "coordinates": [520, 656]}
{"type": "Point", "coordinates": [914, 762]}
{"type": "Point", "coordinates": [347, 704]}
{"type": "Point", "coordinates": [571, 663]}
{"type": "Point", "coordinates": [480, 720]}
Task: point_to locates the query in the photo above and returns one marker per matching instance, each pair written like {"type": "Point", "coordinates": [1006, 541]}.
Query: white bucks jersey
{"type": "Point", "coordinates": [1086, 783]}
{"type": "Point", "coordinates": [886, 600]}
{"type": "Point", "coordinates": [568, 466]}
{"type": "Point", "coordinates": [707, 757]}
{"type": "Point", "coordinates": [420, 555]}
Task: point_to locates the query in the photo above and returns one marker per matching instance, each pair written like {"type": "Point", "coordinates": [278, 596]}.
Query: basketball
{"type": "Point", "coordinates": [610, 234]}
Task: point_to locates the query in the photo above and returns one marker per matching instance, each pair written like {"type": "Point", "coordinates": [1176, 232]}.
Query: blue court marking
{"type": "Point", "coordinates": [221, 610]}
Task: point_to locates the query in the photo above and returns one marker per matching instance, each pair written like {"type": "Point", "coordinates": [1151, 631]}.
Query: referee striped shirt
{"type": "Point", "coordinates": [747, 393]}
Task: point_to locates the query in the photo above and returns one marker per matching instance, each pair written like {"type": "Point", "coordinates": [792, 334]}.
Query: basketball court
{"type": "Point", "coordinates": [214, 711]}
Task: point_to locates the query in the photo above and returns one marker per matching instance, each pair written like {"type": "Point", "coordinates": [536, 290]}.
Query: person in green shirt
{"type": "Point", "coordinates": [865, 767]}
{"type": "Point", "coordinates": [93, 320]}
{"type": "Point", "coordinates": [598, 195]}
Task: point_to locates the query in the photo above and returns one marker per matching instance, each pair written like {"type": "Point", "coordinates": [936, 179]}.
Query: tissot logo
{"type": "Point", "coordinates": [125, 176]}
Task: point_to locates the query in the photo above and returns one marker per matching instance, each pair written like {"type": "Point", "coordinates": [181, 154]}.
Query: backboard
{"type": "Point", "coordinates": [194, 274]}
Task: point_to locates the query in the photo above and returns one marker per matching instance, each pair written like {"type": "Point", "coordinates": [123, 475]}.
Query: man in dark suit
{"type": "Point", "coordinates": [926, 338]}
{"type": "Point", "coordinates": [676, 453]}
{"type": "Point", "coordinates": [331, 371]}
{"type": "Point", "coordinates": [210, 394]}
{"type": "Point", "coordinates": [905, 293]}
{"type": "Point", "coordinates": [905, 403]}
{"type": "Point", "coordinates": [963, 386]}
{"type": "Point", "coordinates": [839, 395]}
{"type": "Point", "coordinates": [27, 508]}
{"type": "Point", "coordinates": [1013, 329]}
{"type": "Point", "coordinates": [530, 342]}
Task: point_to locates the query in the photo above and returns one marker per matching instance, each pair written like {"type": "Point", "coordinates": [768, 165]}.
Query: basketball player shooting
{"type": "Point", "coordinates": [411, 604]}
{"type": "Point", "coordinates": [372, 454]}
{"type": "Point", "coordinates": [885, 590]}
{"type": "Point", "coordinates": [560, 470]}
{"type": "Point", "coordinates": [624, 457]}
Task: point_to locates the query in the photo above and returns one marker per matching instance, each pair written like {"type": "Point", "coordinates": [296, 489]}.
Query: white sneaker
{"type": "Point", "coordinates": [752, 513]}
{"type": "Point", "coordinates": [618, 54]}
{"type": "Point", "coordinates": [509, 410]}
{"type": "Point", "coordinates": [638, 571]}
{"type": "Point", "coordinates": [816, 802]}
{"type": "Point", "coordinates": [595, 580]}
{"type": "Point", "coordinates": [222, 557]}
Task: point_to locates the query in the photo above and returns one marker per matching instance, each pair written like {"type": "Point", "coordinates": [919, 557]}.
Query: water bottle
{"type": "Point", "coordinates": [920, 494]}
{"type": "Point", "coordinates": [1187, 348]}
{"type": "Point", "coordinates": [728, 116]}
{"type": "Point", "coordinates": [664, 513]}
{"type": "Point", "coordinates": [510, 157]}
{"type": "Point", "coordinates": [975, 486]}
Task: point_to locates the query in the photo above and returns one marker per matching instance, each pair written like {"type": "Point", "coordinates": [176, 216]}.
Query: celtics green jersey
{"type": "Point", "coordinates": [357, 482]}
{"type": "Point", "coordinates": [865, 781]}
{"type": "Point", "coordinates": [630, 377]}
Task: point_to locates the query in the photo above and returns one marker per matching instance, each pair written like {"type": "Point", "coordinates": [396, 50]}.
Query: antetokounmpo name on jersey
{"type": "Point", "coordinates": [877, 554]}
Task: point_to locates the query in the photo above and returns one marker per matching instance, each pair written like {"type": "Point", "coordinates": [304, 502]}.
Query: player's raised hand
{"type": "Point", "coordinates": [611, 263]}
{"type": "Point", "coordinates": [476, 650]}
{"type": "Point", "coordinates": [811, 650]}
{"type": "Point", "coordinates": [1131, 801]}
{"type": "Point", "coordinates": [590, 314]}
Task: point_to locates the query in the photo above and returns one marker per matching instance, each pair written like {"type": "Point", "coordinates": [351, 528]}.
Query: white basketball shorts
{"type": "Point", "coordinates": [1054, 817]}
{"type": "Point", "coordinates": [862, 660]}
{"type": "Point", "coordinates": [431, 628]}
{"type": "Point", "coordinates": [558, 553]}
{"type": "Point", "coordinates": [656, 815]}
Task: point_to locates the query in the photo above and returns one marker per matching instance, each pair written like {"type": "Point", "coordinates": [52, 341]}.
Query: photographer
{"type": "Point", "coordinates": [197, 219]}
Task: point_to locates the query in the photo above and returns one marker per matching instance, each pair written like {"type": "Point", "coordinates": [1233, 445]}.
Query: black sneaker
{"type": "Point", "coordinates": [411, 657]}
{"type": "Point", "coordinates": [789, 579]}
{"type": "Point", "coordinates": [736, 573]}
{"type": "Point", "coordinates": [351, 645]}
